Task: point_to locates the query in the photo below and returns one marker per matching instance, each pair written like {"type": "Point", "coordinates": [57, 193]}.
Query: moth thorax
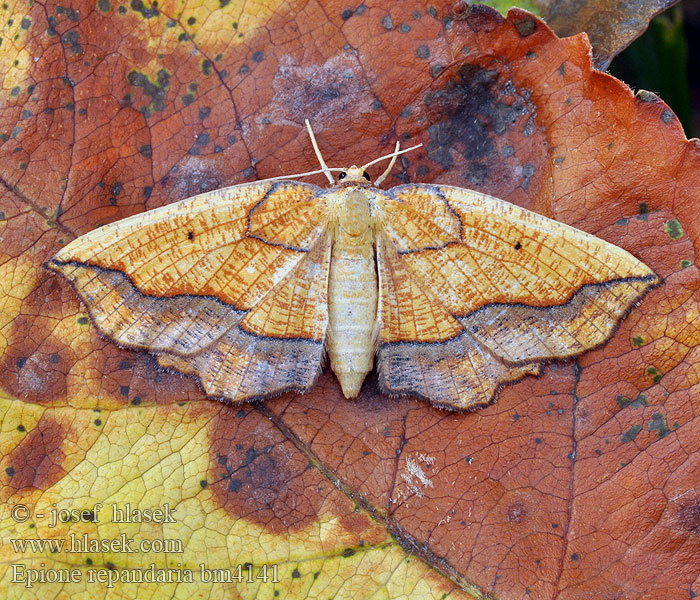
{"type": "Point", "coordinates": [354, 215]}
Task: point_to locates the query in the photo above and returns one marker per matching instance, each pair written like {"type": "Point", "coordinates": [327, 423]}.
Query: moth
{"type": "Point", "coordinates": [454, 292]}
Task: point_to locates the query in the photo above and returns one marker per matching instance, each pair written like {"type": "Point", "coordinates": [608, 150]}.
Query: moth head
{"type": "Point", "coordinates": [354, 174]}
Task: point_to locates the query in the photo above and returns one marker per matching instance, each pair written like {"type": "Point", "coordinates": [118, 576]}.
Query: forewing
{"type": "Point", "coordinates": [508, 289]}
{"type": "Point", "coordinates": [229, 285]}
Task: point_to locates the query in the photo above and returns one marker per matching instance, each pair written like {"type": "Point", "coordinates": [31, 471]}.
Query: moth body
{"type": "Point", "coordinates": [352, 290]}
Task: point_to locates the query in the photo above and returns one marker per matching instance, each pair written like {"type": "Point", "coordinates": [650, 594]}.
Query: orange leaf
{"type": "Point", "coordinates": [580, 483]}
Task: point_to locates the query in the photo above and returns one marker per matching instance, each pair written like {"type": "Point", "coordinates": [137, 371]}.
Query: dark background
{"type": "Point", "coordinates": [666, 60]}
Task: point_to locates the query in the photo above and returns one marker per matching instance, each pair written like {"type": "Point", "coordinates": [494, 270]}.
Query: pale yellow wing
{"type": "Point", "coordinates": [475, 292]}
{"type": "Point", "coordinates": [230, 285]}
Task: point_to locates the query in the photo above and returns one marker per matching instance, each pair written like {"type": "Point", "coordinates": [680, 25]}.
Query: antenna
{"type": "Point", "coordinates": [393, 155]}
{"type": "Point", "coordinates": [324, 166]}
{"type": "Point", "coordinates": [326, 170]}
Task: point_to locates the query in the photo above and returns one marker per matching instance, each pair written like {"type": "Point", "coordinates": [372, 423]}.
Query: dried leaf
{"type": "Point", "coordinates": [581, 483]}
{"type": "Point", "coordinates": [611, 27]}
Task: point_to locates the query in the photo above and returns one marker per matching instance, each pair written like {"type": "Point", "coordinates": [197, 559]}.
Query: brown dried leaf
{"type": "Point", "coordinates": [581, 483]}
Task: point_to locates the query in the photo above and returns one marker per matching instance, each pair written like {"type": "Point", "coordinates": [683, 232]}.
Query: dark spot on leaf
{"type": "Point", "coordinates": [206, 66]}
{"type": "Point", "coordinates": [155, 90]}
{"type": "Point", "coordinates": [658, 423]}
{"type": "Point", "coordinates": [296, 574]}
{"type": "Point", "coordinates": [83, 320]}
{"type": "Point", "coordinates": [387, 23]}
{"type": "Point", "coordinates": [147, 12]}
{"type": "Point", "coordinates": [190, 235]}
{"type": "Point", "coordinates": [98, 422]}
{"type": "Point", "coordinates": [404, 28]}
{"type": "Point", "coordinates": [622, 401]}
{"type": "Point", "coordinates": [26, 23]}
{"type": "Point", "coordinates": [104, 5]}
{"type": "Point", "coordinates": [518, 245]}
{"type": "Point", "coordinates": [574, 556]}
{"type": "Point", "coordinates": [147, 191]}
{"type": "Point", "coordinates": [622, 221]}
{"type": "Point", "coordinates": [528, 172]}
{"type": "Point", "coordinates": [667, 116]}
{"type": "Point", "coordinates": [70, 39]}
{"type": "Point", "coordinates": [423, 51]}
{"type": "Point", "coordinates": [685, 263]}
{"type": "Point", "coordinates": [203, 483]}
{"type": "Point", "coordinates": [346, 14]}
{"type": "Point", "coordinates": [146, 150]}
{"type": "Point", "coordinates": [124, 390]}
{"type": "Point", "coordinates": [10, 471]}
{"type": "Point", "coordinates": [204, 112]}
{"type": "Point", "coordinates": [674, 229]}
{"type": "Point", "coordinates": [637, 341]}
{"type": "Point", "coordinates": [136, 401]}
{"type": "Point", "coordinates": [202, 139]}
{"type": "Point", "coordinates": [526, 27]}
{"type": "Point", "coordinates": [187, 99]}
{"type": "Point", "coordinates": [630, 434]}
{"type": "Point", "coordinates": [689, 517]}
{"type": "Point", "coordinates": [469, 109]}
{"type": "Point", "coordinates": [191, 21]}
{"type": "Point", "coordinates": [647, 96]}
{"type": "Point", "coordinates": [348, 552]}
{"type": "Point", "coordinates": [258, 56]}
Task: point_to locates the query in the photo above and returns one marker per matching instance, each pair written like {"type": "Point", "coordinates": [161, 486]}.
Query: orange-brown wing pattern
{"type": "Point", "coordinates": [476, 292]}
{"type": "Point", "coordinates": [230, 285]}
